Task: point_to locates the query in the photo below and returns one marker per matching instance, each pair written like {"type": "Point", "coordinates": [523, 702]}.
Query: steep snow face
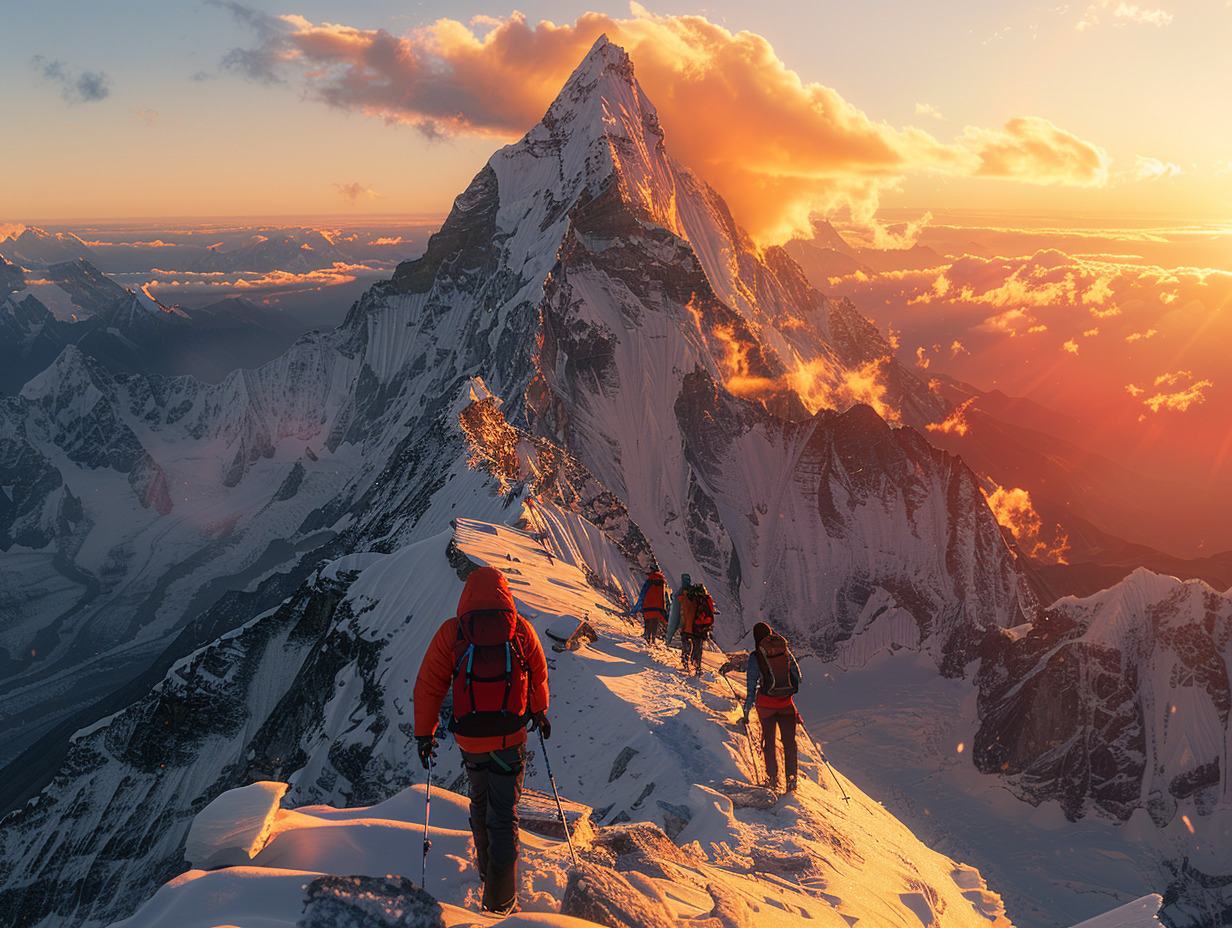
{"type": "Point", "coordinates": [568, 278]}
{"type": "Point", "coordinates": [317, 694]}
{"type": "Point", "coordinates": [856, 538]}
{"type": "Point", "coordinates": [883, 538]}
{"type": "Point", "coordinates": [1118, 705]}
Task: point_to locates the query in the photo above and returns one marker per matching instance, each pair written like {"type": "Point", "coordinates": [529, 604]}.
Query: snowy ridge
{"type": "Point", "coordinates": [810, 858]}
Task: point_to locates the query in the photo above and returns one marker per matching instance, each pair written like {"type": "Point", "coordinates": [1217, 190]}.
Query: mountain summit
{"type": "Point", "coordinates": [589, 329]}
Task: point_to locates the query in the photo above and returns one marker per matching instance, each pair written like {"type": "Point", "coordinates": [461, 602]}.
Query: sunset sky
{"type": "Point", "coordinates": [1081, 156]}
{"type": "Point", "coordinates": [156, 108]}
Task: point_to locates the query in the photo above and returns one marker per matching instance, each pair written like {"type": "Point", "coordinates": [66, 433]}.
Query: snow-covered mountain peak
{"type": "Point", "coordinates": [1112, 615]}
{"type": "Point", "coordinates": [1117, 705]}
{"type": "Point", "coordinates": [599, 138]}
{"type": "Point", "coordinates": [602, 81]}
{"type": "Point", "coordinates": [33, 247]}
{"type": "Point", "coordinates": [74, 376]}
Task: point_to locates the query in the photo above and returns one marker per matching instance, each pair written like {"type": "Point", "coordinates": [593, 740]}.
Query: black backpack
{"type": "Point", "coordinates": [774, 662]}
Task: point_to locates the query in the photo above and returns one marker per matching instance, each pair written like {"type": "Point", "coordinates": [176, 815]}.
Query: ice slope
{"type": "Point", "coordinates": [632, 738]}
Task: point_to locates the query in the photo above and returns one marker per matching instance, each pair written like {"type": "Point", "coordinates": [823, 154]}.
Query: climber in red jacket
{"type": "Point", "coordinates": [493, 661]}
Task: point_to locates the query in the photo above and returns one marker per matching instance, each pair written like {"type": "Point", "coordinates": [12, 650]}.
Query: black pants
{"type": "Point", "coordinates": [652, 625]}
{"type": "Point", "coordinates": [496, 787]}
{"type": "Point", "coordinates": [691, 650]}
{"type": "Point", "coordinates": [784, 721]}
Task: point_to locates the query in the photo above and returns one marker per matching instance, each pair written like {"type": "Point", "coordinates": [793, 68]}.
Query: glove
{"type": "Point", "coordinates": [539, 722]}
{"type": "Point", "coordinates": [426, 745]}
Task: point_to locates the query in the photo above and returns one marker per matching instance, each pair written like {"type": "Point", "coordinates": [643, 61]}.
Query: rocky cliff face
{"type": "Point", "coordinates": [1117, 706]}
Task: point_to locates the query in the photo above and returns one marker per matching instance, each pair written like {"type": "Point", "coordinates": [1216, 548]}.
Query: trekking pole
{"type": "Point", "coordinates": [427, 845]}
{"type": "Point", "coordinates": [748, 737]}
{"type": "Point", "coordinates": [559, 808]}
{"type": "Point", "coordinates": [819, 753]}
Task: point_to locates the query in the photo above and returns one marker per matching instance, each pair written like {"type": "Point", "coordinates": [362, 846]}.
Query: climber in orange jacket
{"type": "Point", "coordinates": [493, 661]}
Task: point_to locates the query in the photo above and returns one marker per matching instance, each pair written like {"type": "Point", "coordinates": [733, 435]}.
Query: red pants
{"type": "Point", "coordinates": [784, 722]}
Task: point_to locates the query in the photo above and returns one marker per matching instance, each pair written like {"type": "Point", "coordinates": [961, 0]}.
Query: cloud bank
{"type": "Point", "coordinates": [1120, 13]}
{"type": "Point", "coordinates": [1141, 350]}
{"type": "Point", "coordinates": [75, 86]}
{"type": "Point", "coordinates": [776, 147]}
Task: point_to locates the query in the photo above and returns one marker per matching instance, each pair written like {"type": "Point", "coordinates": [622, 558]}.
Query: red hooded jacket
{"type": "Point", "coordinates": [486, 589]}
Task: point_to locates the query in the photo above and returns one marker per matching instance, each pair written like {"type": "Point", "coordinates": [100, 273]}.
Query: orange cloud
{"type": "Point", "coordinates": [1014, 511]}
{"type": "Point", "coordinates": [818, 384]}
{"type": "Point", "coordinates": [1179, 401]}
{"type": "Point", "coordinates": [340, 273]}
{"type": "Point", "coordinates": [777, 148]}
{"type": "Point", "coordinates": [1181, 390]}
{"type": "Point", "coordinates": [1006, 323]}
{"type": "Point", "coordinates": [1032, 149]}
{"type": "Point", "coordinates": [819, 389]}
{"type": "Point", "coordinates": [1070, 346]}
{"type": "Point", "coordinates": [955, 423]}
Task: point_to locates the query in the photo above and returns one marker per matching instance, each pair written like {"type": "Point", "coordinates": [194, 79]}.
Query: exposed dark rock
{"type": "Point", "coordinates": [642, 836]}
{"type": "Point", "coordinates": [464, 242]}
{"type": "Point", "coordinates": [369, 902]}
{"type": "Point", "coordinates": [747, 796]}
{"type": "Point", "coordinates": [538, 812]}
{"type": "Point", "coordinates": [769, 860]}
{"type": "Point", "coordinates": [676, 817]}
{"type": "Point", "coordinates": [620, 763]}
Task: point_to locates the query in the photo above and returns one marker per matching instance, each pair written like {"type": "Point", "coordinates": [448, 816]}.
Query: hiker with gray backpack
{"type": "Point", "coordinates": [773, 679]}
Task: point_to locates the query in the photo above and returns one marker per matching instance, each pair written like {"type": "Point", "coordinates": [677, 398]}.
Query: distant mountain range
{"type": "Point", "coordinates": [251, 249]}
{"type": "Point", "coordinates": [73, 303]}
{"type": "Point", "coordinates": [589, 328]}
